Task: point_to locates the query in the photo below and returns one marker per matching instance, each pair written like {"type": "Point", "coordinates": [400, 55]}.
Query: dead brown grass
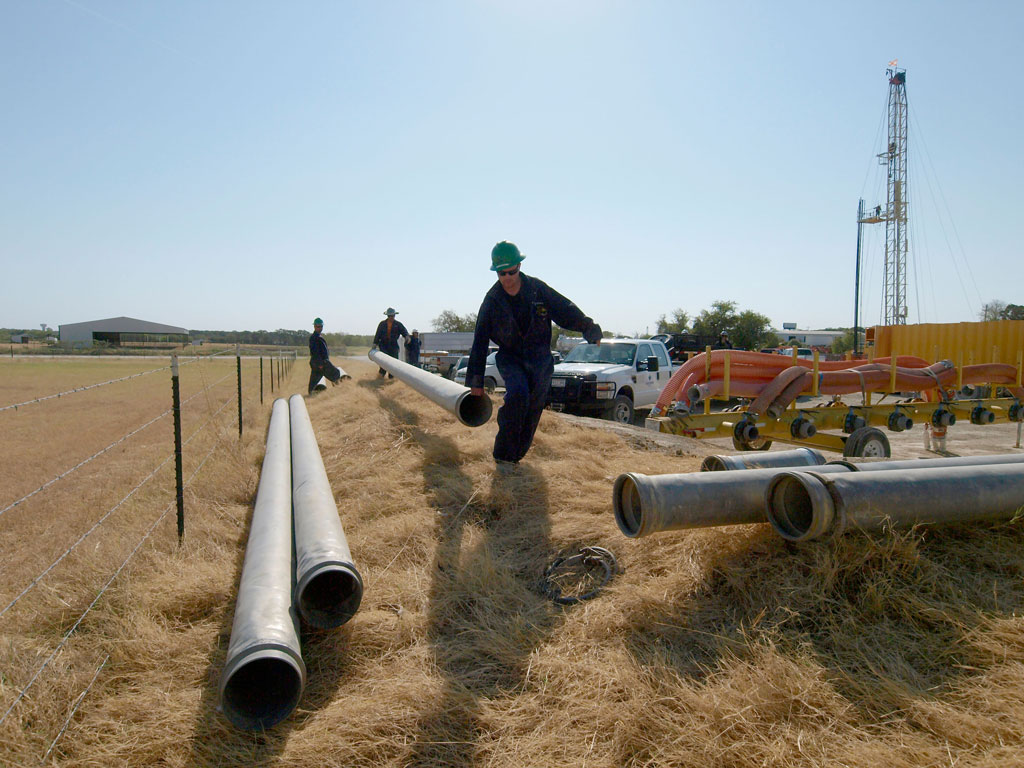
{"type": "Point", "coordinates": [722, 647]}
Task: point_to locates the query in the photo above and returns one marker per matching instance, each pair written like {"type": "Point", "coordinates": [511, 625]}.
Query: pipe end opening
{"type": "Point", "coordinates": [628, 507]}
{"type": "Point", "coordinates": [475, 410]}
{"type": "Point", "coordinates": [331, 597]}
{"type": "Point", "coordinates": [713, 464]}
{"type": "Point", "coordinates": [790, 508]}
{"type": "Point", "coordinates": [262, 692]}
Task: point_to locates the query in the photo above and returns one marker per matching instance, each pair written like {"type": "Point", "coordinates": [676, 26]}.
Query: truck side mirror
{"type": "Point", "coordinates": [652, 363]}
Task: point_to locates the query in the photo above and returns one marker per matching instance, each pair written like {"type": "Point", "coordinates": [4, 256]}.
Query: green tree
{"type": "Point", "coordinates": [1013, 312]}
{"type": "Point", "coordinates": [721, 317]}
{"type": "Point", "coordinates": [752, 330]}
{"type": "Point", "coordinates": [678, 324]}
{"type": "Point", "coordinates": [450, 321]}
{"type": "Point", "coordinates": [843, 344]}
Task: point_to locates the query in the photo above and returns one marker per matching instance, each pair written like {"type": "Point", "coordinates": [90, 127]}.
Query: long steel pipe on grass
{"type": "Point", "coordinates": [798, 457]}
{"type": "Point", "coordinates": [328, 587]}
{"type": "Point", "coordinates": [264, 675]}
{"type": "Point", "coordinates": [807, 505]}
{"type": "Point", "coordinates": [646, 504]}
{"type": "Point", "coordinates": [471, 410]}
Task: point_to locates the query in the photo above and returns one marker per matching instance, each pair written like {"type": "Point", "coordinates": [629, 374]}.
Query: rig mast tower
{"type": "Point", "coordinates": [895, 212]}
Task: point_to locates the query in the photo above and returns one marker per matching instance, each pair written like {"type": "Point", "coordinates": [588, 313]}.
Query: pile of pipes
{"type": "Point", "coordinates": [803, 498]}
{"type": "Point", "coordinates": [264, 674]}
{"type": "Point", "coordinates": [472, 410]}
{"type": "Point", "coordinates": [775, 381]}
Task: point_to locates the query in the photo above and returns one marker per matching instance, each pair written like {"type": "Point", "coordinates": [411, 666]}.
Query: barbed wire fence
{"type": "Point", "coordinates": [280, 365]}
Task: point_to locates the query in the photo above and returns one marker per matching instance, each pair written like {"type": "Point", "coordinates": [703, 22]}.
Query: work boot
{"type": "Point", "coordinates": [506, 468]}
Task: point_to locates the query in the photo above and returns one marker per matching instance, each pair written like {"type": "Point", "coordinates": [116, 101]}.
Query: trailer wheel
{"type": "Point", "coordinates": [757, 444]}
{"type": "Point", "coordinates": [867, 442]}
{"type": "Point", "coordinates": [489, 385]}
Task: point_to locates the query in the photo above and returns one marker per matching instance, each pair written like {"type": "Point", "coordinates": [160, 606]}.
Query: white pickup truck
{"type": "Point", "coordinates": [610, 379]}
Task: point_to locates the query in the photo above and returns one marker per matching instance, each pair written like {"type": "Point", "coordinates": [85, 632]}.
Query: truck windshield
{"type": "Point", "coordinates": [615, 354]}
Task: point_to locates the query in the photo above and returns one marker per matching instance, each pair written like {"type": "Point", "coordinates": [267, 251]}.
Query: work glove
{"type": "Point", "coordinates": [592, 334]}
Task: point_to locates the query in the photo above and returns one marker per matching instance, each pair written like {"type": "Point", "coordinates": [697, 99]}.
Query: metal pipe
{"type": "Point", "coordinates": [646, 504]}
{"type": "Point", "coordinates": [471, 410]}
{"type": "Point", "coordinates": [798, 457]}
{"type": "Point", "coordinates": [264, 675]}
{"type": "Point", "coordinates": [807, 505]}
{"type": "Point", "coordinates": [328, 587]}
{"type": "Point", "coordinates": [322, 384]}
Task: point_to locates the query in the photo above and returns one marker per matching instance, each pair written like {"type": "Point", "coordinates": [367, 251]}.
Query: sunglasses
{"type": "Point", "coordinates": [507, 272]}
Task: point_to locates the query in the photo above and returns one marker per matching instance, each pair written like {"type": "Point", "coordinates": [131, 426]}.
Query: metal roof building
{"type": "Point", "coordinates": [122, 331]}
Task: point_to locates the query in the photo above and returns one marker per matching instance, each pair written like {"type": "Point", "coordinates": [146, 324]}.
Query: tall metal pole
{"type": "Point", "coordinates": [856, 281]}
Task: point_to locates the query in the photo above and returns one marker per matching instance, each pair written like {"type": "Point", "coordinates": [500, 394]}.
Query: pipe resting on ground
{"type": "Point", "coordinates": [328, 587]}
{"type": "Point", "coordinates": [645, 504]}
{"type": "Point", "coordinates": [802, 506]}
{"type": "Point", "coordinates": [264, 675]}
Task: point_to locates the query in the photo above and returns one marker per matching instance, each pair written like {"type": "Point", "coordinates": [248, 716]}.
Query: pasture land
{"type": "Point", "coordinates": [725, 647]}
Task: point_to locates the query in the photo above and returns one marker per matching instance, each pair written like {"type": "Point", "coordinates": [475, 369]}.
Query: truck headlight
{"type": "Point", "coordinates": [605, 390]}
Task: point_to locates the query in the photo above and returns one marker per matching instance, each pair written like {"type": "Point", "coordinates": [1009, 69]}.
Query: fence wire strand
{"type": "Point", "coordinates": [15, 406]}
{"type": "Point", "coordinates": [74, 708]}
{"type": "Point", "coordinates": [99, 453]}
{"type": "Point", "coordinates": [111, 511]}
{"type": "Point", "coordinates": [102, 591]}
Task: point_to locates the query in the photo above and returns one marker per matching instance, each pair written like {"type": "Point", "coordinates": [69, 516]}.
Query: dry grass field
{"type": "Point", "coordinates": [723, 647]}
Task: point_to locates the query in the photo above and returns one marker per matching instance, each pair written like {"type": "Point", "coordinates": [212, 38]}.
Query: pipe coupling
{"type": "Point", "coordinates": [982, 415]}
{"type": "Point", "coordinates": [943, 418]}
{"type": "Point", "coordinates": [802, 428]}
{"type": "Point", "coordinates": [899, 422]}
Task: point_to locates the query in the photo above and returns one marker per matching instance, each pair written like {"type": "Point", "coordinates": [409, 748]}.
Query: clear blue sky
{"type": "Point", "coordinates": [222, 164]}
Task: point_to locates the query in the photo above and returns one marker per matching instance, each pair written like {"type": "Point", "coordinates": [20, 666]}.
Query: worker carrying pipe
{"type": "Point", "coordinates": [389, 330]}
{"type": "Point", "coordinates": [516, 314]}
{"type": "Point", "coordinates": [320, 365]}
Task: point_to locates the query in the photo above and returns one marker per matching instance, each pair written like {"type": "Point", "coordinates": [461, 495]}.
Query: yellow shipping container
{"type": "Point", "coordinates": [996, 341]}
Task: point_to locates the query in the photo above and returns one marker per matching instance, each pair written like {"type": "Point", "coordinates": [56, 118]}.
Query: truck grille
{"type": "Point", "coordinates": [571, 389]}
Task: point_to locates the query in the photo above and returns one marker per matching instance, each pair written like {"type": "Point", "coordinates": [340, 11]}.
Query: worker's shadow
{"type": "Point", "coordinates": [485, 613]}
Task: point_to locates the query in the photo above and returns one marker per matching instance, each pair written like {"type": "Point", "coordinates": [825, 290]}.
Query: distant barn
{"type": "Point", "coordinates": [123, 332]}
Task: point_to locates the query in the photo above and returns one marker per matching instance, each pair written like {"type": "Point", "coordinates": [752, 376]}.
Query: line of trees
{"type": "Point", "coordinates": [746, 329]}
{"type": "Point", "coordinates": [1000, 310]}
{"type": "Point", "coordinates": [281, 337]}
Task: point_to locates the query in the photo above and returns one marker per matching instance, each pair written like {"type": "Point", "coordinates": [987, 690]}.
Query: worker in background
{"type": "Point", "coordinates": [723, 341]}
{"type": "Point", "coordinates": [516, 314]}
{"type": "Point", "coordinates": [412, 349]}
{"type": "Point", "coordinates": [386, 338]}
{"type": "Point", "coordinates": [320, 364]}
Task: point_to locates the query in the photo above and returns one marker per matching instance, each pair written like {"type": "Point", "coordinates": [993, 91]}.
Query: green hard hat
{"type": "Point", "coordinates": [505, 255]}
{"type": "Point", "coordinates": [318, 321]}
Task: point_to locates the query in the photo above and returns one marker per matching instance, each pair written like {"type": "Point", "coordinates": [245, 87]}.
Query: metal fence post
{"type": "Point", "coordinates": [261, 379]}
{"type": "Point", "coordinates": [238, 367]}
{"type": "Point", "coordinates": [179, 487]}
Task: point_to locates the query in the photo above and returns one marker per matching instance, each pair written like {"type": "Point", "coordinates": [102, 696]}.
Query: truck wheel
{"type": "Point", "coordinates": [621, 410]}
{"type": "Point", "coordinates": [489, 385]}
